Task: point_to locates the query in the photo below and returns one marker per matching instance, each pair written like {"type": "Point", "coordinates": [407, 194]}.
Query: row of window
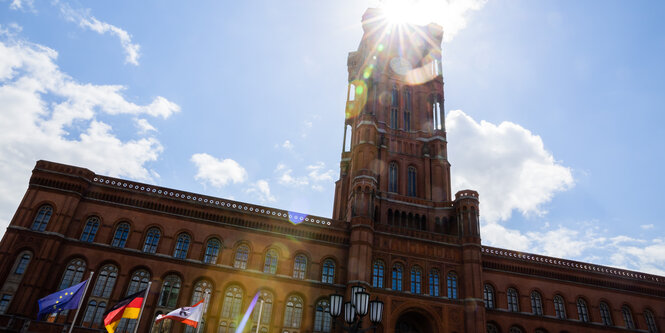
{"type": "Point", "coordinates": [435, 102]}
{"type": "Point", "coordinates": [393, 179]}
{"type": "Point", "coordinates": [416, 279]}
{"type": "Point", "coordinates": [560, 308]}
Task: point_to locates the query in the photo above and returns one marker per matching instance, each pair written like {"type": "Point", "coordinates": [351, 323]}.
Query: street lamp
{"type": "Point", "coordinates": [356, 309]}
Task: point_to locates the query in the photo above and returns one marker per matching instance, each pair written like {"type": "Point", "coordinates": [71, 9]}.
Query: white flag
{"type": "Point", "coordinates": [189, 315]}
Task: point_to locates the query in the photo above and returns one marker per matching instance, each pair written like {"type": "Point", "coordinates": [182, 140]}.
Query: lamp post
{"type": "Point", "coordinates": [356, 309]}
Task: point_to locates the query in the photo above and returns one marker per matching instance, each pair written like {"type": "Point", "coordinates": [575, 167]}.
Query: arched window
{"type": "Point", "coordinates": [488, 296]}
{"type": "Point", "coordinates": [231, 308]}
{"type": "Point", "coordinates": [651, 321]}
{"type": "Point", "coordinates": [394, 108]}
{"type": "Point", "coordinates": [582, 310]}
{"type": "Point", "coordinates": [559, 307]}
{"type": "Point", "coordinates": [397, 277]}
{"type": "Point", "coordinates": [41, 219]}
{"type": "Point", "coordinates": [412, 182]}
{"type": "Point", "coordinates": [299, 267]}
{"type": "Point", "coordinates": [536, 303]}
{"type": "Point", "coordinates": [452, 285]}
{"type": "Point", "coordinates": [293, 312]}
{"type": "Point", "coordinates": [105, 281]}
{"type": "Point", "coordinates": [73, 273]}
{"type": "Point", "coordinates": [120, 235]}
{"type": "Point", "coordinates": [181, 246]}
{"type": "Point", "coordinates": [90, 229]}
{"type": "Point", "coordinates": [434, 282]}
{"type": "Point", "coordinates": [605, 314]}
{"type": "Point", "coordinates": [151, 240]}
{"type": "Point", "coordinates": [513, 300]}
{"type": "Point", "coordinates": [212, 251]}
{"type": "Point", "coordinates": [4, 302]}
{"type": "Point", "coordinates": [627, 317]}
{"type": "Point", "coordinates": [322, 318]}
{"type": "Point", "coordinates": [266, 312]}
{"type": "Point", "coordinates": [93, 314]}
{"type": "Point", "coordinates": [22, 264]}
{"type": "Point", "coordinates": [270, 265]}
{"type": "Point", "coordinates": [242, 255]}
{"type": "Point", "coordinates": [515, 329]}
{"type": "Point", "coordinates": [168, 297]}
{"type": "Point", "coordinates": [416, 279]}
{"type": "Point", "coordinates": [138, 282]}
{"type": "Point", "coordinates": [328, 272]}
{"type": "Point", "coordinates": [378, 273]}
{"type": "Point", "coordinates": [392, 177]}
{"type": "Point", "coordinates": [202, 291]}
{"type": "Point", "coordinates": [491, 328]}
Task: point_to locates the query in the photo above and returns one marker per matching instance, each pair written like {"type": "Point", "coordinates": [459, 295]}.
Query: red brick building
{"type": "Point", "coordinates": [396, 229]}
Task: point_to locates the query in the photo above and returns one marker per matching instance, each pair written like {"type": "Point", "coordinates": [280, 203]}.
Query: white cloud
{"type": "Point", "coordinates": [506, 164]}
{"type": "Point", "coordinates": [647, 226]}
{"type": "Point", "coordinates": [261, 190]}
{"type": "Point", "coordinates": [46, 114]}
{"type": "Point", "coordinates": [287, 145]}
{"type": "Point", "coordinates": [285, 177]}
{"type": "Point", "coordinates": [25, 5]}
{"type": "Point", "coordinates": [317, 173]}
{"type": "Point", "coordinates": [144, 126]}
{"type": "Point", "coordinates": [87, 21]}
{"type": "Point", "coordinates": [217, 172]}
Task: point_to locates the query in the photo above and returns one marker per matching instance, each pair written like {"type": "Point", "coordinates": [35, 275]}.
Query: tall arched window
{"type": "Point", "coordinates": [138, 282]}
{"type": "Point", "coordinates": [181, 246]}
{"type": "Point", "coordinates": [100, 295]}
{"type": "Point", "coordinates": [293, 312]}
{"type": "Point", "coordinates": [300, 267]}
{"type": "Point", "coordinates": [378, 274]}
{"type": "Point", "coordinates": [559, 307]}
{"type": "Point", "coordinates": [90, 229]}
{"type": "Point", "coordinates": [412, 182]}
{"type": "Point", "coordinates": [536, 303]}
{"type": "Point", "coordinates": [392, 177]}
{"type": "Point", "coordinates": [212, 251]}
{"type": "Point", "coordinates": [395, 96]}
{"type": "Point", "coordinates": [202, 291]}
{"type": "Point", "coordinates": [23, 261]}
{"type": "Point", "coordinates": [270, 264]}
{"type": "Point", "coordinates": [266, 312]}
{"type": "Point", "coordinates": [452, 285]}
{"type": "Point", "coordinates": [73, 273]}
{"type": "Point", "coordinates": [322, 318]}
{"type": "Point", "coordinates": [651, 321]}
{"type": "Point", "coordinates": [105, 281]}
{"type": "Point", "coordinates": [41, 219]}
{"type": "Point", "coordinates": [242, 255]}
{"type": "Point", "coordinates": [582, 310]}
{"type": "Point", "coordinates": [168, 297]}
{"type": "Point", "coordinates": [407, 109]}
{"type": "Point", "coordinates": [231, 308]}
{"type": "Point", "coordinates": [513, 300]}
{"type": "Point", "coordinates": [416, 279]}
{"type": "Point", "coordinates": [151, 240]}
{"type": "Point", "coordinates": [627, 317]}
{"type": "Point", "coordinates": [488, 296]}
{"type": "Point", "coordinates": [398, 271]}
{"type": "Point", "coordinates": [93, 314]}
{"type": "Point", "coordinates": [605, 314]}
{"type": "Point", "coordinates": [434, 282]}
{"type": "Point", "coordinates": [328, 272]}
{"type": "Point", "coordinates": [120, 235]}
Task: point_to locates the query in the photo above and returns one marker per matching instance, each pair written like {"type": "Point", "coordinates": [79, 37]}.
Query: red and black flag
{"type": "Point", "coordinates": [128, 307]}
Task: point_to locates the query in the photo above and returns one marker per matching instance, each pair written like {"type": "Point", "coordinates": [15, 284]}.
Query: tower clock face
{"type": "Point", "coordinates": [400, 65]}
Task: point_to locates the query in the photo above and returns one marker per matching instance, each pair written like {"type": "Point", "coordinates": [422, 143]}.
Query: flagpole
{"type": "Point", "coordinates": [71, 328]}
{"type": "Point", "coordinates": [145, 300]}
{"type": "Point", "coordinates": [260, 310]}
{"type": "Point", "coordinates": [198, 323]}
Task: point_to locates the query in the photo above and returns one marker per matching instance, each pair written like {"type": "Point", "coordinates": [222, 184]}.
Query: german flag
{"type": "Point", "coordinates": [128, 307]}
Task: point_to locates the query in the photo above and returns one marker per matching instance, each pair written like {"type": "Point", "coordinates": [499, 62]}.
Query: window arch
{"type": "Point", "coordinates": [398, 271]}
{"type": "Point", "coordinates": [202, 291]}
{"type": "Point", "coordinates": [90, 229]}
{"type": "Point", "coordinates": [22, 262]}
{"type": "Point", "coordinates": [492, 328]}
{"type": "Point", "coordinates": [168, 297]}
{"type": "Point", "coordinates": [41, 219]}
{"type": "Point", "coordinates": [322, 318]}
{"type": "Point", "coordinates": [582, 310]}
{"type": "Point", "coordinates": [300, 267]}
{"type": "Point", "coordinates": [515, 329]}
{"type": "Point", "coordinates": [559, 307]}
{"type": "Point", "coordinates": [392, 177]}
{"type": "Point", "coordinates": [138, 281]}
{"type": "Point", "coordinates": [100, 295]}
{"type": "Point", "coordinates": [270, 265]}
{"type": "Point", "coordinates": [105, 281]}
{"type": "Point", "coordinates": [182, 246]}
{"type": "Point", "coordinates": [212, 251]}
{"type": "Point", "coordinates": [651, 321]}
{"type": "Point", "coordinates": [93, 314]}
{"type": "Point", "coordinates": [231, 308]}
{"type": "Point", "coordinates": [452, 285]}
{"type": "Point", "coordinates": [151, 240]}
{"type": "Point", "coordinates": [378, 274]}
{"type": "Point", "coordinates": [120, 235]}
{"type": "Point", "coordinates": [513, 300]}
{"type": "Point", "coordinates": [434, 282]}
{"type": "Point", "coordinates": [416, 279]}
{"type": "Point", "coordinates": [293, 312]}
{"type": "Point", "coordinates": [605, 314]}
{"type": "Point", "coordinates": [266, 312]}
{"type": "Point", "coordinates": [242, 255]}
{"type": "Point", "coordinates": [627, 317]}
{"type": "Point", "coordinates": [73, 273]}
{"type": "Point", "coordinates": [536, 303]}
{"type": "Point", "coordinates": [328, 272]}
{"type": "Point", "coordinates": [411, 191]}
{"type": "Point", "coordinates": [488, 296]}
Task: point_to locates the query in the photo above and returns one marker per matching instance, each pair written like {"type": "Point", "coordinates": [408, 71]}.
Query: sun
{"type": "Point", "coordinates": [407, 11]}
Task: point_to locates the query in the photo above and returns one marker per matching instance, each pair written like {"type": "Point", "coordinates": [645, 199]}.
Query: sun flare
{"type": "Point", "coordinates": [408, 11]}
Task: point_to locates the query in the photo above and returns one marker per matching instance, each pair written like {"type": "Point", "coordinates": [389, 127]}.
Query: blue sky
{"type": "Point", "coordinates": [554, 109]}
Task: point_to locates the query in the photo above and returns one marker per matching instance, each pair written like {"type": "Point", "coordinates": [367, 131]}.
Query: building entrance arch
{"type": "Point", "coordinates": [414, 322]}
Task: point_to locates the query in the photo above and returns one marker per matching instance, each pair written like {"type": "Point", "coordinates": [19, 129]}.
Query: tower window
{"type": "Point", "coordinates": [392, 177]}
{"type": "Point", "coordinates": [452, 285]}
{"type": "Point", "coordinates": [416, 280]}
{"type": "Point", "coordinates": [328, 274]}
{"type": "Point", "coordinates": [412, 182]}
{"type": "Point", "coordinates": [397, 277]}
{"type": "Point", "coordinates": [394, 123]}
{"type": "Point", "coordinates": [395, 97]}
{"type": "Point", "coordinates": [407, 120]}
{"type": "Point", "coordinates": [434, 282]}
{"type": "Point", "coordinates": [377, 274]}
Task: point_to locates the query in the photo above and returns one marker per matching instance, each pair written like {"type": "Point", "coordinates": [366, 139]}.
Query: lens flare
{"type": "Point", "coordinates": [245, 317]}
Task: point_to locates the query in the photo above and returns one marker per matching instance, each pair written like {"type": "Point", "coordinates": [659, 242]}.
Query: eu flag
{"type": "Point", "coordinates": [65, 299]}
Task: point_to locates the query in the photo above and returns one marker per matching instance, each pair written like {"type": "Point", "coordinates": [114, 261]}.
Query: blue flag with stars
{"type": "Point", "coordinates": [65, 299]}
